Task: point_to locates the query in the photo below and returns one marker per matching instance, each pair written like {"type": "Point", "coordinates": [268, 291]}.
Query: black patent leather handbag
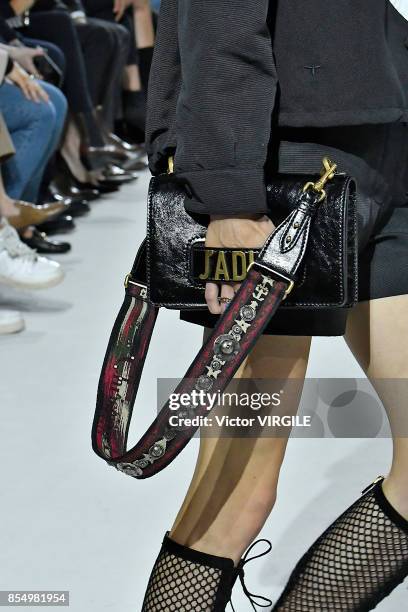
{"type": "Point", "coordinates": [178, 265]}
{"type": "Point", "coordinates": [309, 261]}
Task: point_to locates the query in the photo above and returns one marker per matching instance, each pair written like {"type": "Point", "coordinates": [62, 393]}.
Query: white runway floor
{"type": "Point", "coordinates": [70, 522]}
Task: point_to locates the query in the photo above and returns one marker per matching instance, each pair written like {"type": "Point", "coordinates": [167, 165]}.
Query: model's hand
{"type": "Point", "coordinates": [25, 56]}
{"type": "Point", "coordinates": [233, 232]}
{"type": "Point", "coordinates": [30, 88]}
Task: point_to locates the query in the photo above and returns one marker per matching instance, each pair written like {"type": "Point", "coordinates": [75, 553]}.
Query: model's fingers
{"type": "Point", "coordinates": [211, 297]}
{"type": "Point", "coordinates": [227, 295]}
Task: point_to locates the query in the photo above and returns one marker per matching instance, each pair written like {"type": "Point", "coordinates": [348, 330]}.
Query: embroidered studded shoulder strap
{"type": "Point", "coordinates": [269, 279]}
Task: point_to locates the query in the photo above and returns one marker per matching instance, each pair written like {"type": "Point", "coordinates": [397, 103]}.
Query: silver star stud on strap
{"type": "Point", "coordinates": [211, 372]}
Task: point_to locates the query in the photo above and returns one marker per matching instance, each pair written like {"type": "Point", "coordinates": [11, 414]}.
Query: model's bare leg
{"type": "Point", "coordinates": [231, 494]}
{"type": "Point", "coordinates": [377, 334]}
{"type": "Point", "coordinates": [233, 488]}
{"type": "Point", "coordinates": [363, 554]}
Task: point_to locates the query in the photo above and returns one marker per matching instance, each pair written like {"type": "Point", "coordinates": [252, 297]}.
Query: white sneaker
{"type": "Point", "coordinates": [10, 322]}
{"type": "Point", "coordinates": [21, 267]}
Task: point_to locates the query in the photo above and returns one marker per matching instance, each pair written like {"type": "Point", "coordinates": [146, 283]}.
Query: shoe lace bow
{"type": "Point", "coordinates": [253, 598]}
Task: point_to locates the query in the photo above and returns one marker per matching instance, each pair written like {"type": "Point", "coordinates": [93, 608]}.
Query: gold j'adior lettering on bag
{"type": "Point", "coordinates": [228, 265]}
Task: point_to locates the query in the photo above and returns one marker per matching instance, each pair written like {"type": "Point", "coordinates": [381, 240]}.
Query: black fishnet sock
{"type": "Point", "coordinates": [355, 563]}
{"type": "Point", "coordinates": [186, 580]}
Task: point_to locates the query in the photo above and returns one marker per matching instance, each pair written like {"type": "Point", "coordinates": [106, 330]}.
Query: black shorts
{"type": "Point", "coordinates": [377, 156]}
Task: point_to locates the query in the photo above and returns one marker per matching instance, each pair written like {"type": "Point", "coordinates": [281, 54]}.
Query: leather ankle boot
{"type": "Point", "coordinates": [186, 579]}
{"type": "Point", "coordinates": [355, 563]}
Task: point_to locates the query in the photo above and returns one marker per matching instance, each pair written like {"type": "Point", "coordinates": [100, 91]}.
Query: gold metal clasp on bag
{"type": "Point", "coordinates": [327, 174]}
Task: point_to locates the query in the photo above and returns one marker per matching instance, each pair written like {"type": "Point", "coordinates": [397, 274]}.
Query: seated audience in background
{"type": "Point", "coordinates": [73, 82]}
{"type": "Point", "coordinates": [135, 16]}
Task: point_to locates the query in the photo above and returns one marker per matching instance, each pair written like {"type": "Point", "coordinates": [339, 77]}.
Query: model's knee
{"type": "Point", "coordinates": [258, 508]}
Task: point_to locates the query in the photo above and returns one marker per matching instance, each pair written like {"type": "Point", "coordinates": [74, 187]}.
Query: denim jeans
{"type": "Point", "coordinates": [35, 129]}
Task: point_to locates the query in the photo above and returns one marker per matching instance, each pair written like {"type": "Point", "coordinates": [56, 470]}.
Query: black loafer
{"type": "Point", "coordinates": [114, 170]}
{"type": "Point", "coordinates": [65, 183]}
{"type": "Point", "coordinates": [78, 209]}
{"type": "Point", "coordinates": [41, 243]}
{"type": "Point", "coordinates": [102, 188]}
{"type": "Point", "coordinates": [48, 196]}
{"type": "Point", "coordinates": [89, 195]}
{"type": "Point", "coordinates": [75, 206]}
{"type": "Point", "coordinates": [74, 195]}
{"type": "Point", "coordinates": [114, 174]}
{"type": "Point", "coordinates": [62, 225]}
{"type": "Point", "coordinates": [107, 187]}
{"type": "Point", "coordinates": [134, 164]}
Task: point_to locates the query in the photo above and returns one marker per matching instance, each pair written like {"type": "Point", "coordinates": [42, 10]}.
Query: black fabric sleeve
{"type": "Point", "coordinates": [163, 89]}
{"type": "Point", "coordinates": [225, 105]}
{"type": "Point", "coordinates": [217, 116]}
